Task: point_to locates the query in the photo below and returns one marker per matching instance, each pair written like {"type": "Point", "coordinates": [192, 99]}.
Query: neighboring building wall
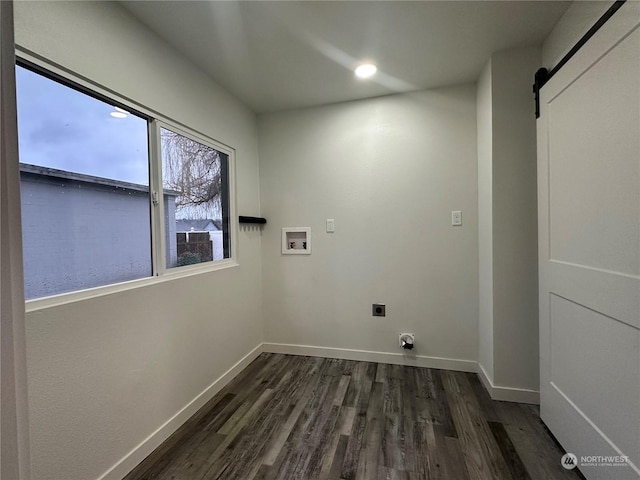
{"type": "Point", "coordinates": [170, 241]}
{"type": "Point", "coordinates": [80, 235]}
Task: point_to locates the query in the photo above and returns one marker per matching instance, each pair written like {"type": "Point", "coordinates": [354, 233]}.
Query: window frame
{"type": "Point", "coordinates": [156, 180]}
{"type": "Point", "coordinates": [155, 121]}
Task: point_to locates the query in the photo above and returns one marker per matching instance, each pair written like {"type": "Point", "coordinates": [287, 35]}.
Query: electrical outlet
{"type": "Point", "coordinates": [378, 310]}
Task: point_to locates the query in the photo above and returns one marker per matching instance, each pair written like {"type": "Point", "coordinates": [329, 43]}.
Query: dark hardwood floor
{"type": "Point", "coordinates": [289, 417]}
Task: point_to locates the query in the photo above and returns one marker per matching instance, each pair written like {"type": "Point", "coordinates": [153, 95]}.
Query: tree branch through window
{"type": "Point", "coordinates": [193, 170]}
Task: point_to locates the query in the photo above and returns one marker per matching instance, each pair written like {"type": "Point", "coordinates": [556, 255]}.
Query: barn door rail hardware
{"type": "Point", "coordinates": [543, 75]}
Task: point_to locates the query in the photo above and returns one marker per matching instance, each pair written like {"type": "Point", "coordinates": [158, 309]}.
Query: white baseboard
{"type": "Point", "coordinates": [369, 356]}
{"type": "Point", "coordinates": [508, 394]}
{"type": "Point", "coordinates": [153, 441]}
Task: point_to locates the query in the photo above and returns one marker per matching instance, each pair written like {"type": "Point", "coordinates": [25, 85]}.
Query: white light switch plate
{"type": "Point", "coordinates": [331, 225]}
{"type": "Point", "coordinates": [456, 218]}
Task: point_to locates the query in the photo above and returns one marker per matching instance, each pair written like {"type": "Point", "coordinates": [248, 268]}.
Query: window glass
{"type": "Point", "coordinates": [84, 179]}
{"type": "Point", "coordinates": [196, 200]}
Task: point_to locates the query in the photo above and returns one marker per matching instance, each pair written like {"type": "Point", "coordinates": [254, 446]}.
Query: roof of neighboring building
{"type": "Point", "coordinates": [204, 224]}
{"type": "Point", "coordinates": [81, 177]}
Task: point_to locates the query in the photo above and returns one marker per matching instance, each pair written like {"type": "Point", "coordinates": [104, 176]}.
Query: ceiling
{"type": "Point", "coordinates": [279, 55]}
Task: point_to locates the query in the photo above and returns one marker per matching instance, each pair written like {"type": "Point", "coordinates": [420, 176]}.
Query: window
{"type": "Point", "coordinates": [194, 179]}
{"type": "Point", "coordinates": [90, 191]}
{"type": "Point", "coordinates": [84, 181]}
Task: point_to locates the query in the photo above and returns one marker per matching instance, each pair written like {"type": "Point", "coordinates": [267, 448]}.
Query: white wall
{"type": "Point", "coordinates": [508, 279]}
{"type": "Point", "coordinates": [515, 221]}
{"type": "Point", "coordinates": [389, 171]}
{"type": "Point", "coordinates": [107, 372]}
{"type": "Point", "coordinates": [485, 220]}
{"type": "Point", "coordinates": [574, 23]}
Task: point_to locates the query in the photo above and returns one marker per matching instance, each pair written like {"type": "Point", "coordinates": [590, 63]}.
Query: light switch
{"type": "Point", "coordinates": [456, 218]}
{"type": "Point", "coordinates": [331, 225]}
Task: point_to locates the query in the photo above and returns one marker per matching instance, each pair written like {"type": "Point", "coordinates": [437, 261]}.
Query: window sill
{"type": "Point", "coordinates": [81, 295]}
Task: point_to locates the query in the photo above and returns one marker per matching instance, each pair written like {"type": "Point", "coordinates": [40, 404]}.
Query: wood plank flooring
{"type": "Point", "coordinates": [289, 417]}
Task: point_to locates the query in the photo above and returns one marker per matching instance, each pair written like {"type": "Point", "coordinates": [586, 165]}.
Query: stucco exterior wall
{"type": "Point", "coordinates": [79, 235]}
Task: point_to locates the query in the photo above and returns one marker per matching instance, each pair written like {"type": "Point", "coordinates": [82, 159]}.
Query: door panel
{"type": "Point", "coordinates": [589, 248]}
{"type": "Point", "coordinates": [593, 355]}
{"type": "Point", "coordinates": [592, 184]}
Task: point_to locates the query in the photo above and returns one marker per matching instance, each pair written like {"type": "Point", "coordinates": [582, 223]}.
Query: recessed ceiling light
{"type": "Point", "coordinates": [120, 110]}
{"type": "Point", "coordinates": [366, 70]}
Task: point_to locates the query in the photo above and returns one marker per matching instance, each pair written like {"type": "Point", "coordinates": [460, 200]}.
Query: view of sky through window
{"type": "Point", "coordinates": [64, 129]}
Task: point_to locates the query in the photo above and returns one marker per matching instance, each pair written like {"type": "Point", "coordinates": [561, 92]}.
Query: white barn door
{"type": "Point", "coordinates": [589, 250]}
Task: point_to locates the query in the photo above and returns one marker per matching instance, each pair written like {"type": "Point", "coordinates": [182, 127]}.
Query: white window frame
{"type": "Point", "coordinates": [160, 273]}
{"type": "Point", "coordinates": [160, 255]}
